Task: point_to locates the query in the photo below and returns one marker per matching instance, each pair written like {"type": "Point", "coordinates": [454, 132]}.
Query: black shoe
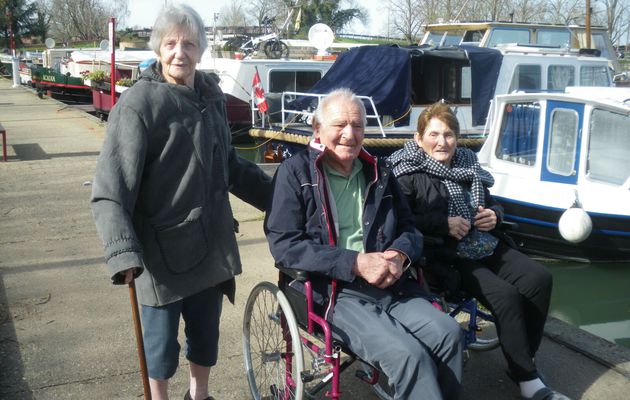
{"type": "Point", "coordinates": [188, 397]}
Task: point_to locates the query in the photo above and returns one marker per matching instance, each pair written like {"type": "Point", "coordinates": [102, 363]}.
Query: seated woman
{"type": "Point", "coordinates": [339, 213]}
{"type": "Point", "coordinates": [448, 193]}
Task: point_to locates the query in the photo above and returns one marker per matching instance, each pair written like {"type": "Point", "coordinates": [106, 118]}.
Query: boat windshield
{"type": "Point", "coordinates": [553, 37]}
{"type": "Point", "coordinates": [609, 147]}
{"type": "Point", "coordinates": [433, 38]}
{"type": "Point", "coordinates": [509, 35]}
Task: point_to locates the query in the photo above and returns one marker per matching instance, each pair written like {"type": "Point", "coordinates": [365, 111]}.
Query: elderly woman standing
{"type": "Point", "coordinates": [160, 201]}
{"type": "Point", "coordinates": [448, 192]}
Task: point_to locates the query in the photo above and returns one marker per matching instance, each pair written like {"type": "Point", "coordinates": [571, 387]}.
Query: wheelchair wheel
{"type": "Point", "coordinates": [271, 345]}
{"type": "Point", "coordinates": [485, 335]}
{"type": "Point", "coordinates": [381, 388]}
{"type": "Point", "coordinates": [275, 49]}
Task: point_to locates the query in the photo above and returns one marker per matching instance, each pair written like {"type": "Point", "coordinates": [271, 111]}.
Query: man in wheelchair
{"type": "Point", "coordinates": [339, 213]}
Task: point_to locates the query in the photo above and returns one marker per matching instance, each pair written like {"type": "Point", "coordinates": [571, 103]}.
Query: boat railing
{"type": "Point", "coordinates": [289, 115]}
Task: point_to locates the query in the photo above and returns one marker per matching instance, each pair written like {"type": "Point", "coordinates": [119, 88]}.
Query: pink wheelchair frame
{"type": "Point", "coordinates": [274, 342]}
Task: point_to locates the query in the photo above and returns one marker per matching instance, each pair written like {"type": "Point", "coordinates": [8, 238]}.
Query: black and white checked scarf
{"type": "Point", "coordinates": [464, 170]}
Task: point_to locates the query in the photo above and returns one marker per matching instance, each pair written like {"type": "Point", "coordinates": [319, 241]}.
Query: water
{"type": "Point", "coordinates": [593, 297]}
{"type": "Point", "coordinates": [249, 151]}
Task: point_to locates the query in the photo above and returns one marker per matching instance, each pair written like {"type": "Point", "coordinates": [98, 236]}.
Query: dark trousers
{"type": "Point", "coordinates": [517, 290]}
{"type": "Point", "coordinates": [417, 346]}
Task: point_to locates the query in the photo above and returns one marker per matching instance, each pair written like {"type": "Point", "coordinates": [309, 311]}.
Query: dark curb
{"type": "Point", "coordinates": [597, 349]}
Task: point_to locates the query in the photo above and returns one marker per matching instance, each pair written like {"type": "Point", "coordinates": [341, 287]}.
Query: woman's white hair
{"type": "Point", "coordinates": [173, 16]}
{"type": "Point", "coordinates": [333, 99]}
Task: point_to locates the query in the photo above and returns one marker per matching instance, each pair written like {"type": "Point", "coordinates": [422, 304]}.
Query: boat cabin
{"type": "Point", "coordinates": [402, 82]}
{"type": "Point", "coordinates": [549, 152]}
{"type": "Point", "coordinates": [493, 34]}
{"type": "Point", "coordinates": [276, 76]}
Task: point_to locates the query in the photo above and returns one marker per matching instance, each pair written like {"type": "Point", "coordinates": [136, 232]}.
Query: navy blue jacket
{"type": "Point", "coordinates": [300, 227]}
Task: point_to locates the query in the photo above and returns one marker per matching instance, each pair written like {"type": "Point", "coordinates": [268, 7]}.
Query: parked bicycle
{"type": "Point", "coordinates": [273, 47]}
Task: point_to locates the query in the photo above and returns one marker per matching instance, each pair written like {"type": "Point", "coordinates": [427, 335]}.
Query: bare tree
{"type": "Point", "coordinates": [407, 18]}
{"type": "Point", "coordinates": [528, 10]}
{"type": "Point", "coordinates": [268, 8]}
{"type": "Point", "coordinates": [615, 17]}
{"type": "Point", "coordinates": [83, 19]}
{"type": "Point", "coordinates": [565, 11]}
{"type": "Point", "coordinates": [234, 15]}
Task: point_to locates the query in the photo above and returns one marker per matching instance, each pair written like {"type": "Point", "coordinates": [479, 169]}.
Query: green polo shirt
{"type": "Point", "coordinates": [348, 194]}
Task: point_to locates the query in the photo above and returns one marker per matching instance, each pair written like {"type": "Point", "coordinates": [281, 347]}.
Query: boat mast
{"type": "Point", "coordinates": [588, 24]}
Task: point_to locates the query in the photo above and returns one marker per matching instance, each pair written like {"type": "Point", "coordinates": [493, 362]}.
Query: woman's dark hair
{"type": "Point", "coordinates": [440, 111]}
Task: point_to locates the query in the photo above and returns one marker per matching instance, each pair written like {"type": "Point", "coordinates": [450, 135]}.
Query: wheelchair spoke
{"type": "Point", "coordinates": [271, 360]}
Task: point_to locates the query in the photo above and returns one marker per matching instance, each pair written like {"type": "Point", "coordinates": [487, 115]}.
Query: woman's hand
{"type": "Point", "coordinates": [128, 274]}
{"type": "Point", "coordinates": [458, 227]}
{"type": "Point", "coordinates": [486, 219]}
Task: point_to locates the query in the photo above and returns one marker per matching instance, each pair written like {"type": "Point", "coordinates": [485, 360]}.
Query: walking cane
{"type": "Point", "coordinates": [139, 342]}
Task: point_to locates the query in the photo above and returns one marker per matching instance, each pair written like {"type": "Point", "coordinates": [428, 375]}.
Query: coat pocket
{"type": "Point", "coordinates": [183, 246]}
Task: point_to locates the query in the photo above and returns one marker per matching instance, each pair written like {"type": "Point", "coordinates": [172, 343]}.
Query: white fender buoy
{"type": "Point", "coordinates": [575, 225]}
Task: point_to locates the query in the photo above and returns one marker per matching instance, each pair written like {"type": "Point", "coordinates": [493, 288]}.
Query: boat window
{"type": "Point", "coordinates": [600, 41]}
{"type": "Point", "coordinates": [474, 36]}
{"type": "Point", "coordinates": [526, 78]}
{"type": "Point", "coordinates": [609, 147]}
{"type": "Point", "coordinates": [453, 38]}
{"type": "Point", "coordinates": [594, 76]}
{"type": "Point", "coordinates": [292, 81]}
{"type": "Point", "coordinates": [553, 37]}
{"type": "Point", "coordinates": [518, 138]}
{"type": "Point", "coordinates": [433, 38]}
{"type": "Point", "coordinates": [562, 141]}
{"type": "Point", "coordinates": [435, 79]}
{"type": "Point", "coordinates": [509, 35]}
{"type": "Point", "coordinates": [452, 83]}
{"type": "Point", "coordinates": [560, 76]}
{"type": "Point", "coordinates": [466, 83]}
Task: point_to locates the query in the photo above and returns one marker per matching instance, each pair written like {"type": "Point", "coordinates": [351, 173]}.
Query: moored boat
{"type": "Point", "coordinates": [64, 87]}
{"type": "Point", "coordinates": [496, 33]}
{"type": "Point", "coordinates": [402, 82]}
{"type": "Point", "coordinates": [561, 162]}
{"type": "Point", "coordinates": [277, 75]}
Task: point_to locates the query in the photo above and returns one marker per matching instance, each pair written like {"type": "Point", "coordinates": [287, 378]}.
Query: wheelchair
{"type": "Point", "coordinates": [290, 352]}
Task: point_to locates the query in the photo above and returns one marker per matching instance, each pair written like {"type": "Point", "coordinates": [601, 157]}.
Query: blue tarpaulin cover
{"type": "Point", "coordinates": [382, 72]}
{"type": "Point", "coordinates": [485, 65]}
{"type": "Point", "coordinates": [385, 74]}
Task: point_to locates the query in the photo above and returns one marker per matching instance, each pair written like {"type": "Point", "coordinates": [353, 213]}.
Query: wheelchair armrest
{"type": "Point", "coordinates": [297, 274]}
{"type": "Point", "coordinates": [507, 226]}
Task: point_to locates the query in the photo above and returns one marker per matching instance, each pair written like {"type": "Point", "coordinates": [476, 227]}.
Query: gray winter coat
{"type": "Point", "coordinates": [160, 192]}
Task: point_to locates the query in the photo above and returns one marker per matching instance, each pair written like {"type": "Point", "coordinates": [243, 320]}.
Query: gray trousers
{"type": "Point", "coordinates": [418, 347]}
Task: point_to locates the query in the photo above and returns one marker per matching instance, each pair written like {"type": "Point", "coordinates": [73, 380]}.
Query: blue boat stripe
{"type": "Point", "coordinates": [531, 221]}
{"type": "Point", "coordinates": [541, 207]}
{"type": "Point", "coordinates": [606, 232]}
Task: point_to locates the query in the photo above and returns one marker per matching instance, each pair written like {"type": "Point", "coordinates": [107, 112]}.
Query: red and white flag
{"type": "Point", "coordinates": [259, 94]}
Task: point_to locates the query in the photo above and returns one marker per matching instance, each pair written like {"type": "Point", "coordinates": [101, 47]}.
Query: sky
{"type": "Point", "coordinates": [143, 13]}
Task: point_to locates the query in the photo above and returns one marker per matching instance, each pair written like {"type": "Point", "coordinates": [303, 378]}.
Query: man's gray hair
{"type": "Point", "coordinates": [173, 16]}
{"type": "Point", "coordinates": [333, 99]}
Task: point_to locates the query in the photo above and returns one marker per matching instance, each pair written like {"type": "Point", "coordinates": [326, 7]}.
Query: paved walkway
{"type": "Point", "coordinates": [66, 332]}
